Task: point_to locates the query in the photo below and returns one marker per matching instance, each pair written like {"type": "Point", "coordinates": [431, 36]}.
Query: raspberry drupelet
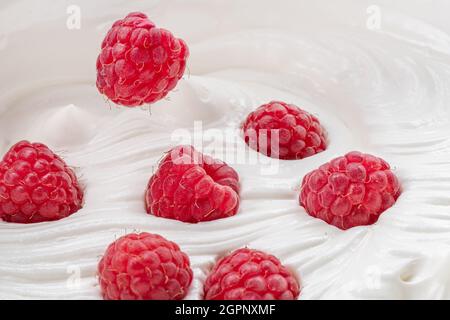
{"type": "Point", "coordinates": [192, 187]}
{"type": "Point", "coordinates": [36, 185]}
{"type": "Point", "coordinates": [139, 62]}
{"type": "Point", "coordinates": [284, 131]}
{"type": "Point", "coordinates": [144, 266]}
{"type": "Point", "coordinates": [248, 274]}
{"type": "Point", "coordinates": [350, 191]}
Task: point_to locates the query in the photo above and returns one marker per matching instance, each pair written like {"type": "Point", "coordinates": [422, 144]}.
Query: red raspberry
{"type": "Point", "coordinates": [36, 185]}
{"type": "Point", "coordinates": [248, 274]}
{"type": "Point", "coordinates": [284, 131]}
{"type": "Point", "coordinates": [139, 63]}
{"type": "Point", "coordinates": [350, 191]}
{"type": "Point", "coordinates": [144, 266]}
{"type": "Point", "coordinates": [192, 187]}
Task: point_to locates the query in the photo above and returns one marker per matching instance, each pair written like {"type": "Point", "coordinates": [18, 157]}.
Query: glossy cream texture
{"type": "Point", "coordinates": [378, 88]}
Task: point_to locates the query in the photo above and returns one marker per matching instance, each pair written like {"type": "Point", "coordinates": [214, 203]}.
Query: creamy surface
{"type": "Point", "coordinates": [378, 90]}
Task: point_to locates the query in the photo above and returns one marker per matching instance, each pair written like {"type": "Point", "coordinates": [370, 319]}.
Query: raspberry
{"type": "Point", "coordinates": [36, 185]}
{"type": "Point", "coordinates": [349, 191]}
{"type": "Point", "coordinates": [139, 63]}
{"type": "Point", "coordinates": [248, 274]}
{"type": "Point", "coordinates": [192, 187]}
{"type": "Point", "coordinates": [284, 131]}
{"type": "Point", "coordinates": [144, 266]}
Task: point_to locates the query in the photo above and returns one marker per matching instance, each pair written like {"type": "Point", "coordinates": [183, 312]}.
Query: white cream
{"type": "Point", "coordinates": [380, 91]}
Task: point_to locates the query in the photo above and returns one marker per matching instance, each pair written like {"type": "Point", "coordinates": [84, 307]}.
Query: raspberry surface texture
{"type": "Point", "coordinates": [349, 191]}
{"type": "Point", "coordinates": [139, 62]}
{"type": "Point", "coordinates": [248, 274]}
{"type": "Point", "coordinates": [284, 131]}
{"type": "Point", "coordinates": [36, 185]}
{"type": "Point", "coordinates": [144, 266]}
{"type": "Point", "coordinates": [192, 187]}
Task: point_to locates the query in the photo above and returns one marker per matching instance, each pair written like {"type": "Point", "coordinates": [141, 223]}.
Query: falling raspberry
{"type": "Point", "coordinates": [248, 274]}
{"type": "Point", "coordinates": [284, 131]}
{"type": "Point", "coordinates": [192, 187]}
{"type": "Point", "coordinates": [144, 266]}
{"type": "Point", "coordinates": [349, 191]}
{"type": "Point", "coordinates": [139, 63]}
{"type": "Point", "coordinates": [36, 185]}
